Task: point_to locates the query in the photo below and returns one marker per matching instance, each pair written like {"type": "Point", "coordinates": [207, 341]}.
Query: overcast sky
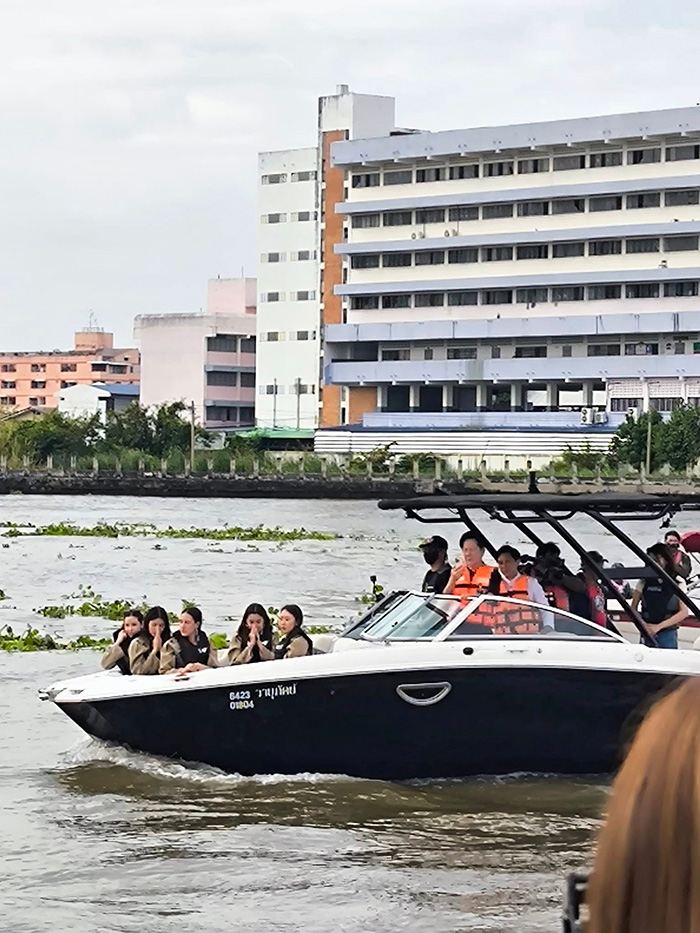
{"type": "Point", "coordinates": [130, 128]}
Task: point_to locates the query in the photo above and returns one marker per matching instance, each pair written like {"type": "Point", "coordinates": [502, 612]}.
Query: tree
{"type": "Point", "coordinates": [130, 428]}
{"type": "Point", "coordinates": [630, 442]}
{"type": "Point", "coordinates": [680, 442]}
{"type": "Point", "coordinates": [55, 433]}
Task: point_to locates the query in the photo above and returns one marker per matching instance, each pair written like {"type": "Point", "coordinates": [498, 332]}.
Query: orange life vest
{"type": "Point", "coordinates": [509, 619]}
{"type": "Point", "coordinates": [473, 583]}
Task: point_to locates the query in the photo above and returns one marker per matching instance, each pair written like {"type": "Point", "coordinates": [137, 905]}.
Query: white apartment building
{"type": "Point", "coordinates": [295, 296]}
{"type": "Point", "coordinates": [533, 276]}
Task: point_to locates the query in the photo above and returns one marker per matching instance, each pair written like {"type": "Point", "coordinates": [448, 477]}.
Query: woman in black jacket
{"type": "Point", "coordinates": [189, 649]}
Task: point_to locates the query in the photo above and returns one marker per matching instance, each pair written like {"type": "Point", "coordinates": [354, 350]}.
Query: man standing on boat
{"type": "Point", "coordinates": [435, 555]}
{"type": "Point", "coordinates": [470, 576]}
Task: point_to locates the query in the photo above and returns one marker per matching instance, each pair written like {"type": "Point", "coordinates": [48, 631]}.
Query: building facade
{"type": "Point", "coordinates": [540, 275]}
{"type": "Point", "coordinates": [84, 401]}
{"type": "Point", "coordinates": [31, 380]}
{"type": "Point", "coordinates": [207, 358]}
{"type": "Point", "coordinates": [298, 268]}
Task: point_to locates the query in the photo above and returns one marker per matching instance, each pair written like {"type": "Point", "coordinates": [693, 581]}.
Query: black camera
{"type": "Point", "coordinates": [526, 565]}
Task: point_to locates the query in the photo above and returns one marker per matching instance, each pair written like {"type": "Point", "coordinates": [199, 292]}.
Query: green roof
{"type": "Point", "coordinates": [291, 434]}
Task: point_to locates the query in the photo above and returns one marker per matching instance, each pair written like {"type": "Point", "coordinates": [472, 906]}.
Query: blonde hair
{"type": "Point", "coordinates": [646, 874]}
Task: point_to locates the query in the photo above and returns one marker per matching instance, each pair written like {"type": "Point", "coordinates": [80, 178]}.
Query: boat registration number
{"type": "Point", "coordinates": [245, 699]}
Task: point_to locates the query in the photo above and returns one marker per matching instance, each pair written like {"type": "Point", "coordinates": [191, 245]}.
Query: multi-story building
{"type": "Point", "coordinates": [206, 358]}
{"type": "Point", "coordinates": [540, 275]}
{"type": "Point", "coordinates": [33, 379]}
{"type": "Point", "coordinates": [298, 191]}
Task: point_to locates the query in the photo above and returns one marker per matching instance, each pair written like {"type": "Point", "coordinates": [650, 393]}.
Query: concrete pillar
{"type": "Point", "coordinates": [447, 397]}
{"type": "Point", "coordinates": [414, 397]}
{"type": "Point", "coordinates": [552, 396]}
{"type": "Point", "coordinates": [645, 395]}
{"type": "Point", "coordinates": [482, 397]}
{"type": "Point", "coordinates": [587, 394]}
{"type": "Point", "coordinates": [516, 397]}
{"type": "Point", "coordinates": [382, 400]}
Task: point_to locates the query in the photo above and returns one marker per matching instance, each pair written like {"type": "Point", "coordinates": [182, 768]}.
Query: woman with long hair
{"type": "Point", "coordinates": [189, 649]}
{"type": "Point", "coordinates": [144, 650]}
{"type": "Point", "coordinates": [253, 641]}
{"type": "Point", "coordinates": [295, 642]}
{"type": "Point", "coordinates": [661, 608]}
{"type": "Point", "coordinates": [117, 655]}
{"type": "Point", "coordinates": [646, 873]}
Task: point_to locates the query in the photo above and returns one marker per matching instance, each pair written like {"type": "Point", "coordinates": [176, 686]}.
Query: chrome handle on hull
{"type": "Point", "coordinates": [432, 693]}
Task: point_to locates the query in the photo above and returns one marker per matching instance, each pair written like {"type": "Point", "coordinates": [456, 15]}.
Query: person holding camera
{"type": "Point", "coordinates": [557, 581]}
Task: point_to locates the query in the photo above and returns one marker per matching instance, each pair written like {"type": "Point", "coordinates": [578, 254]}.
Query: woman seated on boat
{"type": "Point", "coordinates": [508, 580]}
{"type": "Point", "coordinates": [144, 650]}
{"type": "Point", "coordinates": [660, 606]}
{"type": "Point", "coordinates": [189, 649]}
{"type": "Point", "coordinates": [118, 654]}
{"type": "Point", "coordinates": [253, 641]}
{"type": "Point", "coordinates": [295, 643]}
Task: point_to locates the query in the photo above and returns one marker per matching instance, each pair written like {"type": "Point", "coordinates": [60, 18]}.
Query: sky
{"type": "Point", "coordinates": [129, 130]}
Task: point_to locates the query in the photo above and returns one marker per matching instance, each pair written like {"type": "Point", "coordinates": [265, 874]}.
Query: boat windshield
{"type": "Point", "coordinates": [436, 618]}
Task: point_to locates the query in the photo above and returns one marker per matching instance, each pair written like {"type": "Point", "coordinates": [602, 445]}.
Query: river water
{"type": "Point", "coordinates": [101, 839]}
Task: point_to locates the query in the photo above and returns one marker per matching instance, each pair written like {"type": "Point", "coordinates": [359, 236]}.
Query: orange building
{"type": "Point", "coordinates": [32, 379]}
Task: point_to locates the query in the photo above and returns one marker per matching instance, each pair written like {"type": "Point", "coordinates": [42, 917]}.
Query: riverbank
{"type": "Point", "coordinates": [318, 486]}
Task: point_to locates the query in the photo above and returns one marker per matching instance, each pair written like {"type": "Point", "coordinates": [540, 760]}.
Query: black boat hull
{"type": "Point", "coordinates": [494, 720]}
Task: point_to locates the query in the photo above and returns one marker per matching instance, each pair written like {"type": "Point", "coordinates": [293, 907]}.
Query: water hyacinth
{"type": "Point", "coordinates": [144, 530]}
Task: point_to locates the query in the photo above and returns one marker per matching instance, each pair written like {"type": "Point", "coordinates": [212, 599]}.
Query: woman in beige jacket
{"type": "Point", "coordinates": [254, 640]}
{"type": "Point", "coordinates": [117, 655]}
{"type": "Point", "coordinates": [189, 649]}
{"type": "Point", "coordinates": [144, 650]}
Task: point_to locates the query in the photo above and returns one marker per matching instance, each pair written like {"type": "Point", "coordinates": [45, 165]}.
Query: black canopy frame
{"type": "Point", "coordinates": [525, 510]}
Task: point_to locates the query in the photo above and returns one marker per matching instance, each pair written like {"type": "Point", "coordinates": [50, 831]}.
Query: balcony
{"type": "Point", "coordinates": [488, 421]}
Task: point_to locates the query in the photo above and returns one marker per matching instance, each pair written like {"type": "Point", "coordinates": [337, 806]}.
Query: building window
{"type": "Point", "coordinates": [8, 385]}
{"type": "Point", "coordinates": [675, 244]}
{"type": "Point", "coordinates": [8, 368]}
{"type": "Point", "coordinates": [39, 367]}
{"type": "Point", "coordinates": [67, 385]}
{"type": "Point", "coordinates": [647, 244]}
{"type": "Point", "coordinates": [605, 203]}
{"type": "Point", "coordinates": [370, 261]}
{"type": "Point", "coordinates": [304, 176]}
{"type": "Point", "coordinates": [680, 289]}
{"type": "Point", "coordinates": [430, 174]}
{"type": "Point", "coordinates": [393, 260]}
{"type": "Point", "coordinates": [464, 171]}
{"type": "Point", "coordinates": [398, 218]}
{"type": "Point", "coordinates": [461, 353]}
{"type": "Point", "coordinates": [679, 348]}
{"type": "Point", "coordinates": [496, 211]}
{"type": "Point", "coordinates": [605, 159]}
{"type": "Point", "coordinates": [302, 255]}
{"type": "Point", "coordinates": [604, 247]}
{"type": "Point", "coordinates": [569, 206]}
{"type": "Point", "coordinates": [429, 300]}
{"type": "Point", "coordinates": [222, 379]}
{"type": "Point", "coordinates": [459, 299]}
{"type": "Point", "coordinates": [531, 296]}
{"type": "Point", "coordinates": [495, 169]}
{"type": "Point", "coordinates": [604, 292]}
{"type": "Point", "coordinates": [274, 389]}
{"type": "Point", "coordinates": [564, 250]}
{"type": "Point", "coordinates": [642, 290]}
{"type": "Point", "coordinates": [274, 336]}
{"type": "Point", "coordinates": [38, 384]}
{"type": "Point", "coordinates": [643, 156]}
{"type": "Point", "coordinates": [272, 296]}
{"type": "Point", "coordinates": [428, 353]}
{"type": "Point", "coordinates": [303, 335]}
{"type": "Point", "coordinates": [363, 221]}
{"type": "Point", "coordinates": [646, 199]}
{"type": "Point", "coordinates": [364, 302]}
{"type": "Point", "coordinates": [98, 367]}
{"type": "Point", "coordinates": [69, 367]}
{"type": "Point", "coordinates": [567, 293]}
{"type": "Point", "coordinates": [682, 198]}
{"type": "Point", "coordinates": [495, 353]}
{"type": "Point", "coordinates": [304, 296]}
{"type": "Point", "coordinates": [302, 216]}
{"type": "Point", "coordinates": [395, 354]}
{"type": "Point", "coordinates": [624, 404]}
{"type": "Point", "coordinates": [396, 301]}
{"type": "Point", "coordinates": [567, 162]}
{"type": "Point", "coordinates": [532, 166]}
{"type": "Point", "coordinates": [682, 153]}
{"type": "Point", "coordinates": [8, 400]}
{"type": "Point", "coordinates": [401, 177]}
{"type": "Point", "coordinates": [247, 344]}
{"type": "Point", "coordinates": [278, 179]}
{"type": "Point", "coordinates": [497, 296]}
{"type": "Point", "coordinates": [529, 353]}
{"type": "Point", "coordinates": [464, 212]}
{"type": "Point", "coordinates": [272, 257]}
{"type": "Point", "coordinates": [496, 253]}
{"type": "Point", "coordinates": [665, 404]}
{"type": "Point", "coordinates": [604, 349]}
{"type": "Point", "coordinates": [533, 251]}
{"type": "Point", "coordinates": [247, 380]}
{"type": "Point", "coordinates": [566, 350]}
{"type": "Point", "coordinates": [274, 218]}
{"type": "Point", "coordinates": [431, 215]}
{"type": "Point", "coordinates": [366, 180]}
{"type": "Point", "coordinates": [533, 208]}
{"type": "Point", "coordinates": [466, 254]}
{"type": "Point", "coordinates": [430, 257]}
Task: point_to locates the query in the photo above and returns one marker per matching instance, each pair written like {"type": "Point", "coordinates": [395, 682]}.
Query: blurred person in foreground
{"type": "Point", "coordinates": [646, 873]}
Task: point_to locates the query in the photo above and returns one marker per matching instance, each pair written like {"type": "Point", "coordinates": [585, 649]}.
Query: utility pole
{"type": "Point", "coordinates": [648, 462]}
{"type": "Point", "coordinates": [192, 434]}
{"type": "Point", "coordinates": [274, 403]}
{"type": "Point", "coordinates": [298, 403]}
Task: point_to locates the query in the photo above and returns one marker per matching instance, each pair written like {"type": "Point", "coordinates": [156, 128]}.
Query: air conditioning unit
{"type": "Point", "coordinates": [587, 415]}
{"type": "Point", "coordinates": [601, 417]}
{"type": "Point", "coordinates": [633, 412]}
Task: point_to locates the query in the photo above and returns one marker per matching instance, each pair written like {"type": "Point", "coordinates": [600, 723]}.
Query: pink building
{"type": "Point", "coordinates": [206, 358]}
{"type": "Point", "coordinates": [33, 379]}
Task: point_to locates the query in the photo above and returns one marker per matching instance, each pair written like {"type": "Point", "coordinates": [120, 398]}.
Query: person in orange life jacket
{"type": "Point", "coordinates": [144, 650]}
{"type": "Point", "coordinates": [295, 643]}
{"type": "Point", "coordinates": [470, 576]}
{"type": "Point", "coordinates": [557, 582]}
{"type": "Point", "coordinates": [595, 604]}
{"type": "Point", "coordinates": [189, 649]}
{"type": "Point", "coordinates": [253, 641]}
{"type": "Point", "coordinates": [660, 607]}
{"type": "Point", "coordinates": [435, 555]}
{"type": "Point", "coordinates": [508, 580]}
{"type": "Point", "coordinates": [681, 559]}
{"type": "Point", "coordinates": [118, 654]}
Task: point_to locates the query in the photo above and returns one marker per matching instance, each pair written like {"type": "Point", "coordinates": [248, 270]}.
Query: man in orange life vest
{"type": "Point", "coordinates": [508, 581]}
{"type": "Point", "coordinates": [470, 576]}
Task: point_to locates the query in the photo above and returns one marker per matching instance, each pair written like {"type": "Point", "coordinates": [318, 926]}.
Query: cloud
{"type": "Point", "coordinates": [131, 129]}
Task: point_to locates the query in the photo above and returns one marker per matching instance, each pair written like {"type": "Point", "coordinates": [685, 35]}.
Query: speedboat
{"type": "Point", "coordinates": [422, 686]}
